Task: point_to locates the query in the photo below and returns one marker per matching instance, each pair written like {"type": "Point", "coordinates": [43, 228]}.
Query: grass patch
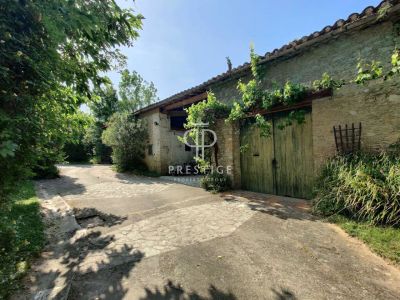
{"type": "Point", "coordinates": [21, 236]}
{"type": "Point", "coordinates": [385, 241]}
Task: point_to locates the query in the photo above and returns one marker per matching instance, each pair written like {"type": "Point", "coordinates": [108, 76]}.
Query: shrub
{"type": "Point", "coordinates": [362, 186]}
{"type": "Point", "coordinates": [127, 136]}
{"type": "Point", "coordinates": [216, 182]}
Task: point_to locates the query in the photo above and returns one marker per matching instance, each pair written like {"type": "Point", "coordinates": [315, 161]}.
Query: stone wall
{"type": "Point", "coordinates": [167, 149]}
{"type": "Point", "coordinates": [228, 141]}
{"type": "Point", "coordinates": [153, 161]}
{"type": "Point", "coordinates": [376, 105]}
{"type": "Point", "coordinates": [338, 57]}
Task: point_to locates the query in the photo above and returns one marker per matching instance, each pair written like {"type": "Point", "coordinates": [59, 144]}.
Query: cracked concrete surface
{"type": "Point", "coordinates": [171, 241]}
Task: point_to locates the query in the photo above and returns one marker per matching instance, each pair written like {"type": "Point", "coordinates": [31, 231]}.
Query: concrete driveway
{"type": "Point", "coordinates": [146, 238]}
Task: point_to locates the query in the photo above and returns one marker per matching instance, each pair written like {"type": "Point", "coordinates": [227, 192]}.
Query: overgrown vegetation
{"type": "Point", "coordinates": [362, 186]}
{"type": "Point", "coordinates": [135, 92]}
{"type": "Point", "coordinates": [52, 54]}
{"type": "Point", "coordinates": [127, 136]}
{"type": "Point", "coordinates": [76, 149]}
{"type": "Point", "coordinates": [216, 182]}
{"type": "Point", "coordinates": [255, 97]}
{"type": "Point", "coordinates": [21, 238]}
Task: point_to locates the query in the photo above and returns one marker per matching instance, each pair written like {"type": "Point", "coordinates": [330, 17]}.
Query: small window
{"type": "Point", "coordinates": [188, 148]}
{"type": "Point", "coordinates": [150, 149]}
{"type": "Point", "coordinates": [177, 122]}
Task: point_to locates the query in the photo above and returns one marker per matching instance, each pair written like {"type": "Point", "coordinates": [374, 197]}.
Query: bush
{"type": "Point", "coordinates": [362, 186]}
{"type": "Point", "coordinates": [127, 136]}
{"type": "Point", "coordinates": [76, 152]}
{"type": "Point", "coordinates": [46, 170]}
{"type": "Point", "coordinates": [216, 182]}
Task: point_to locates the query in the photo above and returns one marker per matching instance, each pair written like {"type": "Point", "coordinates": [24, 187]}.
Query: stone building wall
{"type": "Point", "coordinates": [338, 57]}
{"type": "Point", "coordinates": [228, 141]}
{"type": "Point", "coordinates": [153, 161]}
{"type": "Point", "coordinates": [376, 105]}
{"type": "Point", "coordinates": [167, 149]}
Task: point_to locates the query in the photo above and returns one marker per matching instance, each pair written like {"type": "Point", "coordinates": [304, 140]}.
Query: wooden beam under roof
{"type": "Point", "coordinates": [185, 102]}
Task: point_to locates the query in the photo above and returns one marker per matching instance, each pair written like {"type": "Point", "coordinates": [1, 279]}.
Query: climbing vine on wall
{"type": "Point", "coordinates": [254, 97]}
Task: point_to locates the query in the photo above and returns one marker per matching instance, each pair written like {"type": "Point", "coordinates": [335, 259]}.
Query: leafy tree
{"type": "Point", "coordinates": [103, 105]}
{"type": "Point", "coordinates": [77, 149]}
{"type": "Point", "coordinates": [51, 51]}
{"type": "Point", "coordinates": [135, 92]}
{"type": "Point", "coordinates": [127, 136]}
{"type": "Point", "coordinates": [105, 102]}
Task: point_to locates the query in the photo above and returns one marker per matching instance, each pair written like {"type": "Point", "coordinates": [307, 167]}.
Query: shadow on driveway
{"type": "Point", "coordinates": [280, 207]}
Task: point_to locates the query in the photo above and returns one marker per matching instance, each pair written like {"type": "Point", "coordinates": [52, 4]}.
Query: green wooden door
{"type": "Point", "coordinates": [256, 160]}
{"type": "Point", "coordinates": [294, 158]}
{"type": "Point", "coordinates": [281, 164]}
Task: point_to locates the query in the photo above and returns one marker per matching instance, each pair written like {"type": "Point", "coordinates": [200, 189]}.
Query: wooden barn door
{"type": "Point", "coordinates": [281, 164]}
{"type": "Point", "coordinates": [294, 158]}
{"type": "Point", "coordinates": [256, 160]}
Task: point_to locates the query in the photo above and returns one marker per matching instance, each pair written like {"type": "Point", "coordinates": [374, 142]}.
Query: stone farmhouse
{"type": "Point", "coordinates": [287, 163]}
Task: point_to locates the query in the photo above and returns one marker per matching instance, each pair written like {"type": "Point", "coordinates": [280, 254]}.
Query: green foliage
{"type": "Point", "coordinates": [264, 125]}
{"type": "Point", "coordinates": [135, 92]}
{"type": "Point", "coordinates": [216, 182]}
{"type": "Point", "coordinates": [272, 98]}
{"type": "Point", "coordinates": [383, 10]}
{"type": "Point", "coordinates": [77, 149]}
{"type": "Point", "coordinates": [127, 136]}
{"type": "Point", "coordinates": [365, 186]}
{"type": "Point", "coordinates": [207, 111]}
{"type": "Point", "coordinates": [252, 92]}
{"type": "Point", "coordinates": [395, 62]}
{"type": "Point", "coordinates": [21, 236]}
{"type": "Point", "coordinates": [294, 116]}
{"type": "Point", "coordinates": [103, 105]}
{"type": "Point", "coordinates": [236, 112]}
{"type": "Point", "coordinates": [326, 82]}
{"type": "Point", "coordinates": [244, 148]}
{"type": "Point", "coordinates": [367, 71]}
{"type": "Point", "coordinates": [52, 52]}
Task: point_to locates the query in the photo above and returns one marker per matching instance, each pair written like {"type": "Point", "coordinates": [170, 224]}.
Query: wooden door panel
{"type": "Point", "coordinates": [294, 158]}
{"type": "Point", "coordinates": [256, 162]}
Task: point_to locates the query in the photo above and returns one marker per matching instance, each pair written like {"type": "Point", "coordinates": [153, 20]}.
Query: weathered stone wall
{"type": "Point", "coordinates": [338, 57]}
{"type": "Point", "coordinates": [228, 141]}
{"type": "Point", "coordinates": [376, 105]}
{"type": "Point", "coordinates": [172, 150]}
{"type": "Point", "coordinates": [153, 161]}
{"type": "Point", "coordinates": [167, 149]}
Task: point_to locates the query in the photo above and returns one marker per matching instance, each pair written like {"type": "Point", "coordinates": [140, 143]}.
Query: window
{"type": "Point", "coordinates": [177, 122]}
{"type": "Point", "coordinates": [187, 148]}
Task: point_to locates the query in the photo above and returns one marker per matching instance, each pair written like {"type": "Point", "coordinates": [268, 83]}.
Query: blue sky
{"type": "Point", "coordinates": [185, 42]}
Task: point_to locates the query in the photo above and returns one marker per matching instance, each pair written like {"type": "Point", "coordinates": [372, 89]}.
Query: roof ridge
{"type": "Point", "coordinates": [369, 11]}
